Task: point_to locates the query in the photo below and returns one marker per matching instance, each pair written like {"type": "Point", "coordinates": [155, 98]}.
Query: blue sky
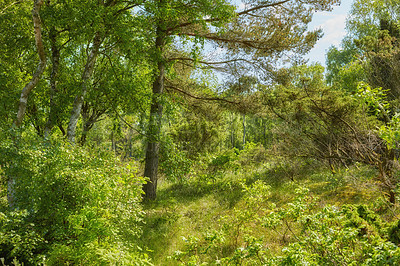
{"type": "Point", "coordinates": [333, 26]}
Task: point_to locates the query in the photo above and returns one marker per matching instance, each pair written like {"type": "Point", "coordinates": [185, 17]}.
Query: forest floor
{"type": "Point", "coordinates": [193, 209]}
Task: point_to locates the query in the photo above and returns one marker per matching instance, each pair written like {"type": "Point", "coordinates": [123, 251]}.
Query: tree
{"type": "Point", "coordinates": [372, 74]}
{"type": "Point", "coordinates": [18, 57]}
{"type": "Point", "coordinates": [37, 24]}
{"type": "Point", "coordinates": [320, 122]}
{"type": "Point", "coordinates": [105, 26]}
{"type": "Point", "coordinates": [370, 46]}
{"type": "Point", "coordinates": [259, 34]}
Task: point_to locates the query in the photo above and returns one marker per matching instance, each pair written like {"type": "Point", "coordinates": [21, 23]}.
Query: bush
{"type": "Point", "coordinates": [19, 238]}
{"type": "Point", "coordinates": [174, 162]}
{"type": "Point", "coordinates": [350, 235]}
{"type": "Point", "coordinates": [82, 206]}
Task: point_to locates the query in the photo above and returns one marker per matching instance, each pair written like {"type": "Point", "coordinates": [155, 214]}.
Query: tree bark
{"type": "Point", "coordinates": [89, 118]}
{"type": "Point", "coordinates": [37, 24]}
{"type": "Point", "coordinates": [86, 76]}
{"type": "Point", "coordinates": [55, 60]}
{"type": "Point", "coordinates": [153, 133]}
{"type": "Point", "coordinates": [244, 130]}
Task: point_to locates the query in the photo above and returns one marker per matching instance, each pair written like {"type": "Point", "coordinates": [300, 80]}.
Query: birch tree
{"type": "Point", "coordinates": [37, 25]}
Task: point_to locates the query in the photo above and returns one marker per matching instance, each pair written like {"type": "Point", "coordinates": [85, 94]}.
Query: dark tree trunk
{"type": "Point", "coordinates": [55, 60]}
{"type": "Point", "coordinates": [90, 116]}
{"type": "Point", "coordinates": [244, 130]}
{"type": "Point", "coordinates": [153, 133]}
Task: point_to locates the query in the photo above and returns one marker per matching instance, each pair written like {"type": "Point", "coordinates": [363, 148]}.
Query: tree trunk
{"type": "Point", "coordinates": [37, 24]}
{"type": "Point", "coordinates": [153, 133]}
{"type": "Point", "coordinates": [387, 176]}
{"type": "Point", "coordinates": [86, 127]}
{"type": "Point", "coordinates": [86, 76]}
{"type": "Point", "coordinates": [244, 130]}
{"type": "Point", "coordinates": [89, 118]}
{"type": "Point", "coordinates": [55, 60]}
{"type": "Point", "coordinates": [113, 144]}
{"type": "Point", "coordinates": [264, 132]}
{"type": "Point", "coordinates": [233, 131]}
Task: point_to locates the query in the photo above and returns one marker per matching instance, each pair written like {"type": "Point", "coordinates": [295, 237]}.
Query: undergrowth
{"type": "Point", "coordinates": [269, 212]}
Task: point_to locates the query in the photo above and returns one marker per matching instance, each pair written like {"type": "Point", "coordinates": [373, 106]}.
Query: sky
{"type": "Point", "coordinates": [333, 26]}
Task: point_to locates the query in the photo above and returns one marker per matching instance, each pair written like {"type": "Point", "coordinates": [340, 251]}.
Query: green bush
{"type": "Point", "coordinates": [81, 206]}
{"type": "Point", "coordinates": [174, 162]}
{"type": "Point", "coordinates": [222, 162]}
{"type": "Point", "coordinates": [19, 238]}
{"type": "Point", "coordinates": [252, 155]}
{"type": "Point", "coordinates": [350, 235]}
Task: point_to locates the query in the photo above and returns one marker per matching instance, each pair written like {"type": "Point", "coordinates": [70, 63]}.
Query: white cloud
{"type": "Point", "coordinates": [334, 30]}
{"type": "Point", "coordinates": [333, 25]}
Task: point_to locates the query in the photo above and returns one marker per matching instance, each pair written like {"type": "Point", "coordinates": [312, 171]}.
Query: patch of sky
{"type": "Point", "coordinates": [333, 24]}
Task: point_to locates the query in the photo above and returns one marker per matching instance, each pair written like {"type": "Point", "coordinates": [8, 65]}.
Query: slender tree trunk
{"type": "Point", "coordinates": [90, 116]}
{"type": "Point", "coordinates": [113, 144]}
{"type": "Point", "coordinates": [264, 132]}
{"type": "Point", "coordinates": [86, 127]}
{"type": "Point", "coordinates": [233, 131]}
{"type": "Point", "coordinates": [55, 60]}
{"type": "Point", "coordinates": [86, 76]}
{"type": "Point", "coordinates": [153, 142]}
{"type": "Point", "coordinates": [37, 24]}
{"type": "Point", "coordinates": [244, 130]}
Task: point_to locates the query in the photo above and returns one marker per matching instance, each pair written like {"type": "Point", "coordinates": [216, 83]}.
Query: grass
{"type": "Point", "coordinates": [196, 207]}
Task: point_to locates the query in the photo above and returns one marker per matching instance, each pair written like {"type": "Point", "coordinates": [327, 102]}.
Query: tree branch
{"type": "Point", "coordinates": [244, 12]}
{"type": "Point", "coordinates": [9, 6]}
{"type": "Point", "coordinates": [199, 97]}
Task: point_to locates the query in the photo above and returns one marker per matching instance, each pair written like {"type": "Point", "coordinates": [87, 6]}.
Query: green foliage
{"type": "Point", "coordinates": [336, 60]}
{"type": "Point", "coordinates": [17, 57]}
{"type": "Point", "coordinates": [252, 155]}
{"type": "Point", "coordinates": [174, 162]}
{"type": "Point", "coordinates": [375, 99]}
{"type": "Point", "coordinates": [221, 162]}
{"type": "Point", "coordinates": [365, 16]}
{"type": "Point", "coordinates": [391, 133]}
{"type": "Point", "coordinates": [317, 121]}
{"type": "Point", "coordinates": [19, 238]}
{"type": "Point", "coordinates": [347, 236]}
{"type": "Point", "coordinates": [195, 127]}
{"type": "Point", "coordinates": [235, 235]}
{"type": "Point", "coordinates": [349, 76]}
{"type": "Point", "coordinates": [83, 205]}
{"type": "Point", "coordinates": [351, 235]}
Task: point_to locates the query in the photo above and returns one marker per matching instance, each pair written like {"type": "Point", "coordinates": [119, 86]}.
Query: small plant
{"type": "Point", "coordinates": [174, 162]}
{"type": "Point", "coordinates": [233, 242]}
{"type": "Point", "coordinates": [350, 235]}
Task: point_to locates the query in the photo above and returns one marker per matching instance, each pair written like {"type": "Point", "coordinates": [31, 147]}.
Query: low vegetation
{"type": "Point", "coordinates": [133, 144]}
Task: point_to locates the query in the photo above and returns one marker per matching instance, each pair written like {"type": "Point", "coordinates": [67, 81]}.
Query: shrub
{"type": "Point", "coordinates": [174, 162]}
{"type": "Point", "coordinates": [350, 235]}
{"type": "Point", "coordinates": [82, 205]}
